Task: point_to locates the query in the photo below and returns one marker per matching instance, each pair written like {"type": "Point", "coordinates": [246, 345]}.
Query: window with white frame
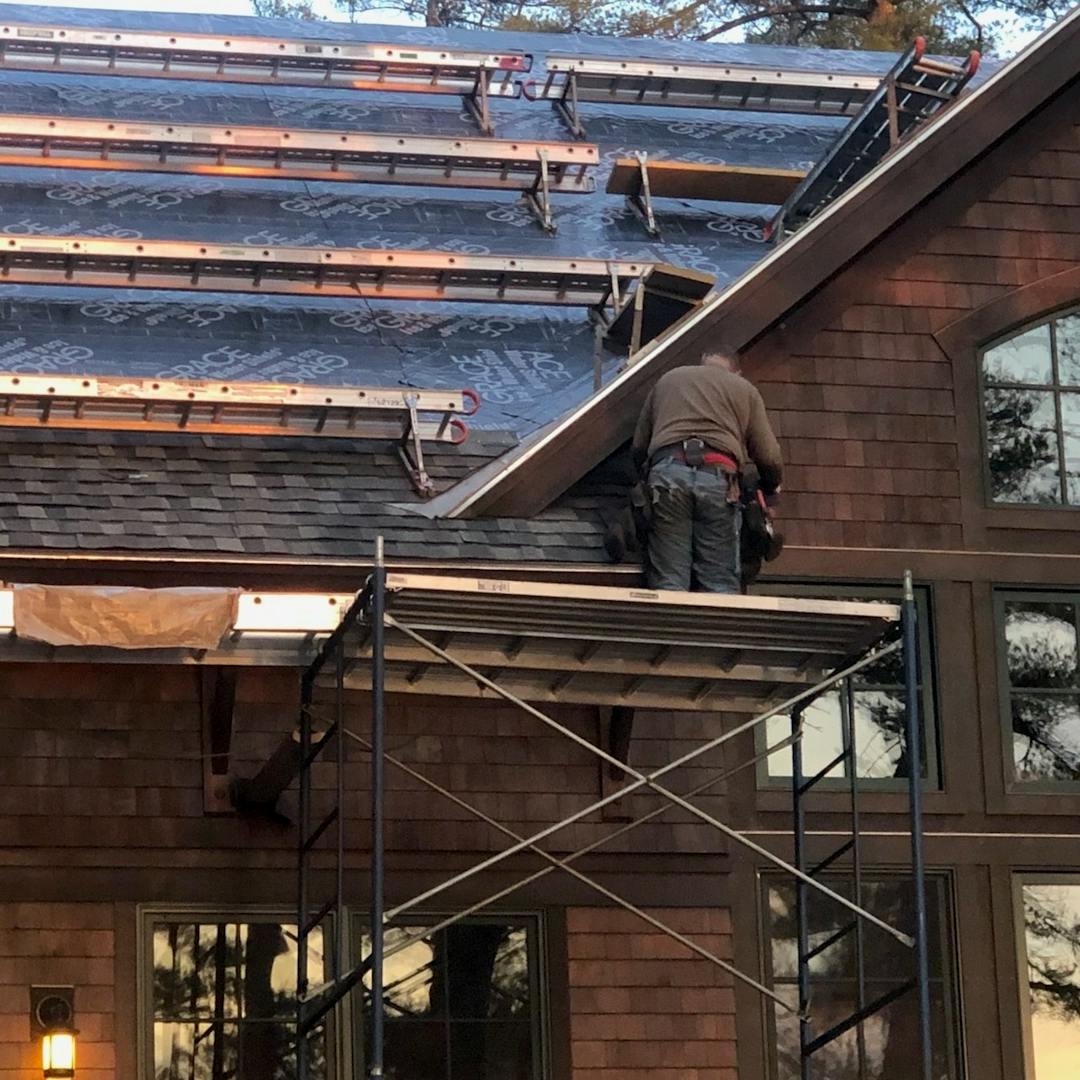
{"type": "Point", "coordinates": [1031, 413]}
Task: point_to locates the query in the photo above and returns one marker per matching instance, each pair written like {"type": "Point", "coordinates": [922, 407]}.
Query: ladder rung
{"type": "Point", "coordinates": [315, 920]}
{"type": "Point", "coordinates": [830, 941]}
{"type": "Point", "coordinates": [323, 825]}
{"type": "Point", "coordinates": [857, 1018]}
{"type": "Point", "coordinates": [824, 771]}
{"type": "Point", "coordinates": [839, 853]}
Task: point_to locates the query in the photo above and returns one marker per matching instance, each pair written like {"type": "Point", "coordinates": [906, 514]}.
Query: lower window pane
{"type": "Point", "coordinates": [1052, 939]}
{"type": "Point", "coordinates": [890, 1040]}
{"type": "Point", "coordinates": [1070, 437]}
{"type": "Point", "coordinates": [416, 1051]}
{"type": "Point", "coordinates": [228, 1051]}
{"type": "Point", "coordinates": [1046, 736]}
{"type": "Point", "coordinates": [224, 1000]}
{"type": "Point", "coordinates": [1021, 435]}
{"type": "Point", "coordinates": [500, 1051]}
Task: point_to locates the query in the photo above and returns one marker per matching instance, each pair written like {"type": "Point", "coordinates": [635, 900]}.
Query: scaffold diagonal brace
{"type": "Point", "coordinates": [563, 864]}
{"type": "Point", "coordinates": [639, 780]}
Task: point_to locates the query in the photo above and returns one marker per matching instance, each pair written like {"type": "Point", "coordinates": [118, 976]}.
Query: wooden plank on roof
{"type": "Point", "coordinates": [693, 180]}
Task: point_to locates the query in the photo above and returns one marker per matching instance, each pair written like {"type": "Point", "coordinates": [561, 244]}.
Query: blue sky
{"type": "Point", "coordinates": [1015, 39]}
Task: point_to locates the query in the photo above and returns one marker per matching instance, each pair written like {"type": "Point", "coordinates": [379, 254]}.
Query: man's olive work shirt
{"type": "Point", "coordinates": [713, 404]}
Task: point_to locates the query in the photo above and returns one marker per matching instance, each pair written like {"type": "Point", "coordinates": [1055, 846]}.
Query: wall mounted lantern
{"type": "Point", "coordinates": [52, 1019]}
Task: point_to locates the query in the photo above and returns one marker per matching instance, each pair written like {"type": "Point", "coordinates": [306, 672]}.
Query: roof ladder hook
{"type": "Point", "coordinates": [538, 197]}
{"type": "Point", "coordinates": [412, 453]}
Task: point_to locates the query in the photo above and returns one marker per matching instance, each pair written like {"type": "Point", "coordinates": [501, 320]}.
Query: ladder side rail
{"type": "Point", "coordinates": [913, 75]}
{"type": "Point", "coordinates": [421, 275]}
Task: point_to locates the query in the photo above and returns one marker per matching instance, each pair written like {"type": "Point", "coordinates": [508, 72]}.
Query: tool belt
{"type": "Point", "coordinates": [695, 453]}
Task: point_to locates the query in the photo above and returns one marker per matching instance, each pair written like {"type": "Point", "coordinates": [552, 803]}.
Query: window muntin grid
{"type": "Point", "coordinates": [1031, 414]}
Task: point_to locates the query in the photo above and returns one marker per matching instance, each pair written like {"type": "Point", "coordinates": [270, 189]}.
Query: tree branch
{"type": "Point", "coordinates": [863, 12]}
{"type": "Point", "coordinates": [967, 13]}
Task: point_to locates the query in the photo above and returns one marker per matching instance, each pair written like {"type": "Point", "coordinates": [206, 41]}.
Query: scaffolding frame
{"type": "Point", "coordinates": [475, 76]}
{"type": "Point", "coordinates": [369, 619]}
{"type": "Point", "coordinates": [536, 169]}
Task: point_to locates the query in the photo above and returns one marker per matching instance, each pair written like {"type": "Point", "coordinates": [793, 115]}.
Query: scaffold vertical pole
{"type": "Point", "coordinates": [378, 869]}
{"type": "Point", "coordinates": [909, 621]}
{"type": "Point", "coordinates": [850, 737]}
{"type": "Point", "coordinates": [304, 815]}
{"type": "Point", "coordinates": [801, 897]}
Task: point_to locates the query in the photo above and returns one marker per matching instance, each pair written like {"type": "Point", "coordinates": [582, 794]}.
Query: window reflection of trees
{"type": "Point", "coordinates": [1031, 407]}
{"type": "Point", "coordinates": [878, 715]}
{"type": "Point", "coordinates": [224, 1001]}
{"type": "Point", "coordinates": [890, 1040]}
{"type": "Point", "coordinates": [1044, 691]}
{"type": "Point", "coordinates": [459, 1003]}
{"type": "Point", "coordinates": [1052, 939]}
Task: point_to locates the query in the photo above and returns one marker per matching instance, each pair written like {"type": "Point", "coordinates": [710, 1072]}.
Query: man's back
{"type": "Point", "coordinates": [717, 405]}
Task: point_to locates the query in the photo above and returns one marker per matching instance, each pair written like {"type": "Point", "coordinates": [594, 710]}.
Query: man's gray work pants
{"type": "Point", "coordinates": [694, 534]}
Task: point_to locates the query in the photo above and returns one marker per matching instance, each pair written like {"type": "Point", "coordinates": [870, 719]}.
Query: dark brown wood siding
{"type": "Point", "coordinates": [872, 411]}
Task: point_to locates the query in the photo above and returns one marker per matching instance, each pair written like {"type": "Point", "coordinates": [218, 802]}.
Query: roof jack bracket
{"type": "Point", "coordinates": [641, 200]}
{"type": "Point", "coordinates": [538, 197]}
{"type": "Point", "coordinates": [412, 456]}
{"type": "Point", "coordinates": [477, 104]}
{"type": "Point", "coordinates": [567, 107]}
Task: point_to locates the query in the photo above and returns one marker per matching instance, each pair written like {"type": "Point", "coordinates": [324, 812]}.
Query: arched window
{"type": "Point", "coordinates": [1031, 413]}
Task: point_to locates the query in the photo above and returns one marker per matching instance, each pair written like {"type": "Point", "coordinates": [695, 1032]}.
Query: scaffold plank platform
{"type": "Point", "coordinates": [593, 644]}
{"type": "Point", "coordinates": [693, 180]}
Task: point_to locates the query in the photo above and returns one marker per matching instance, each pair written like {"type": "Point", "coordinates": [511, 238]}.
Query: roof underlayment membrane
{"type": "Point", "coordinates": [530, 364]}
{"type": "Point", "coordinates": [328, 498]}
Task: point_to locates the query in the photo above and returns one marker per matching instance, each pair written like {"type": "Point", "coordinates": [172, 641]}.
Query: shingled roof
{"type": "Point", "coordinates": [259, 496]}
